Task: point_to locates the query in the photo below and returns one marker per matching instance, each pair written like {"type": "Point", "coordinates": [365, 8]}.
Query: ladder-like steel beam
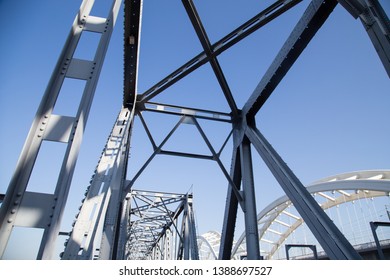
{"type": "Point", "coordinates": [93, 233]}
{"type": "Point", "coordinates": [47, 126]}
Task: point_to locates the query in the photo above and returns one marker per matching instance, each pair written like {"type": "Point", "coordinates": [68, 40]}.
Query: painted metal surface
{"type": "Point", "coordinates": [49, 127]}
{"type": "Point", "coordinates": [101, 228]}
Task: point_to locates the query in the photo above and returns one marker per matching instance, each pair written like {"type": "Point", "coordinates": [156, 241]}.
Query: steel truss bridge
{"type": "Point", "coordinates": [109, 225]}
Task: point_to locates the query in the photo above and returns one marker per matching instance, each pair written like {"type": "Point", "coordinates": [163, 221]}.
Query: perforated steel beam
{"type": "Point", "coordinates": [94, 233]}
{"type": "Point", "coordinates": [133, 14]}
{"type": "Point", "coordinates": [49, 127]}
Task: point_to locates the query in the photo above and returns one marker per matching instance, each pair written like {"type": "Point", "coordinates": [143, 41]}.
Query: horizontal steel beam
{"type": "Point", "coordinates": [188, 111]}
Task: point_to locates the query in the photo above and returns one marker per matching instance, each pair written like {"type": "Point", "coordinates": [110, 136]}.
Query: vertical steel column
{"type": "Point", "coordinates": [117, 183]}
{"type": "Point", "coordinates": [328, 235]}
{"type": "Point", "coordinates": [192, 228]}
{"type": "Point", "coordinates": [186, 234]}
{"type": "Point", "coordinates": [251, 231]}
{"type": "Point", "coordinates": [122, 239]}
{"type": "Point", "coordinates": [50, 127]}
{"type": "Point", "coordinates": [230, 217]}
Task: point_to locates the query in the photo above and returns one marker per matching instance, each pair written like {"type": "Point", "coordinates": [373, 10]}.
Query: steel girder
{"type": "Point", "coordinates": [132, 30]}
{"type": "Point", "coordinates": [47, 126]}
{"type": "Point", "coordinates": [95, 230]}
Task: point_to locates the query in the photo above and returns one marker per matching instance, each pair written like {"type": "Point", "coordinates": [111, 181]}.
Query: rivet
{"type": "Point", "coordinates": [16, 202]}
{"type": "Point", "coordinates": [13, 211]}
{"type": "Point", "coordinates": [9, 221]}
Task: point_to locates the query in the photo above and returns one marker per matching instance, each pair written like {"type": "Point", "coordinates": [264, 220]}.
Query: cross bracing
{"type": "Point", "coordinates": [159, 224]}
{"type": "Point", "coordinates": [110, 185]}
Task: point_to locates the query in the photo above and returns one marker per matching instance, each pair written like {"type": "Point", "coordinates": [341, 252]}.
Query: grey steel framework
{"type": "Point", "coordinates": [100, 228]}
{"type": "Point", "coordinates": [161, 226]}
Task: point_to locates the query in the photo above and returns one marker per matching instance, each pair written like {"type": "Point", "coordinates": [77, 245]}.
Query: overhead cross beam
{"type": "Point", "coordinates": [237, 35]}
{"type": "Point", "coordinates": [204, 40]}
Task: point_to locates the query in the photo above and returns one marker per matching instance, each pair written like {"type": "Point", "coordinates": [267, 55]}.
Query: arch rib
{"type": "Point", "coordinates": [376, 182]}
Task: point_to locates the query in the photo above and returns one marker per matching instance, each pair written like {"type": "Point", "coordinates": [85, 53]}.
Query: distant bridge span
{"type": "Point", "coordinates": [365, 184]}
{"type": "Point", "coordinates": [346, 187]}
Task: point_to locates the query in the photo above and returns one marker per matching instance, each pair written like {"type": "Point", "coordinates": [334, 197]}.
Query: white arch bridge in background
{"type": "Point", "coordinates": [279, 220]}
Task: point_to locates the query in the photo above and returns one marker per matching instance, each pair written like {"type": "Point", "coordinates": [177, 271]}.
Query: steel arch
{"type": "Point", "coordinates": [366, 184]}
{"type": "Point", "coordinates": [209, 241]}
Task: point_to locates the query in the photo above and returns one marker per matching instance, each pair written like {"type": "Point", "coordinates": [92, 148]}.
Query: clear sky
{"type": "Point", "coordinates": [329, 115]}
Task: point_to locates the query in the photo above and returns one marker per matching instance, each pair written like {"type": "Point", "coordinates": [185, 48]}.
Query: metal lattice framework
{"type": "Point", "coordinates": [100, 230]}
{"type": "Point", "coordinates": [155, 231]}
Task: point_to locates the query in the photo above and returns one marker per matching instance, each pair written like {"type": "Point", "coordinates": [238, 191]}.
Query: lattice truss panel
{"type": "Point", "coordinates": [160, 226]}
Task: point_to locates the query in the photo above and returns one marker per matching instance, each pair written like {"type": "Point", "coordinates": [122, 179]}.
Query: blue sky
{"type": "Point", "coordinates": [329, 115]}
